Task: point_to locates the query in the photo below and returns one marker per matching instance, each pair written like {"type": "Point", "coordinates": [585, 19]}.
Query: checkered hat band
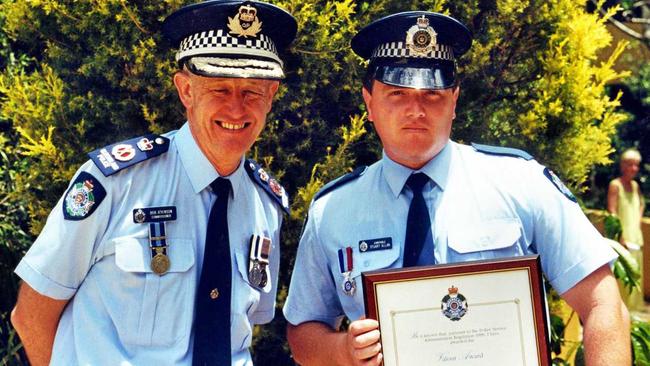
{"type": "Point", "coordinates": [400, 49]}
{"type": "Point", "coordinates": [220, 42]}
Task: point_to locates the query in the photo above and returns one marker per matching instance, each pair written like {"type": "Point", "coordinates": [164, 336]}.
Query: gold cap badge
{"type": "Point", "coordinates": [245, 23]}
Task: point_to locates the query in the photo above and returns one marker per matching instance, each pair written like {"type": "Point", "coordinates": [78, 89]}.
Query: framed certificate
{"type": "Point", "coordinates": [472, 313]}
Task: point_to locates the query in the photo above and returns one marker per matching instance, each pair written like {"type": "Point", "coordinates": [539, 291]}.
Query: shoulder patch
{"type": "Point", "coordinates": [559, 185]}
{"type": "Point", "coordinates": [268, 183]}
{"type": "Point", "coordinates": [340, 181]}
{"type": "Point", "coordinates": [498, 150]}
{"type": "Point", "coordinates": [113, 158]}
{"type": "Point", "coordinates": [83, 197]}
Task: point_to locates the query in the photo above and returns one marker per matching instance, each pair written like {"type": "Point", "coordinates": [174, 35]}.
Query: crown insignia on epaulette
{"type": "Point", "coordinates": [421, 38]}
{"type": "Point", "coordinates": [245, 23]}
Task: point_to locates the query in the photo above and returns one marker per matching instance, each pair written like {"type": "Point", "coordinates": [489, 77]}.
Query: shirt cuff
{"type": "Point", "coordinates": [42, 284]}
{"type": "Point", "coordinates": [296, 317]}
{"type": "Point", "coordinates": [580, 271]}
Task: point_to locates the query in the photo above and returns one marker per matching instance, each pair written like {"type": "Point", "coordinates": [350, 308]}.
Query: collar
{"type": "Point", "coordinates": [437, 169]}
{"type": "Point", "coordinates": [197, 166]}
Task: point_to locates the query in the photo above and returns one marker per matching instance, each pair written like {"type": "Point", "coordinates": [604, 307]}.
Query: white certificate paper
{"type": "Point", "coordinates": [475, 318]}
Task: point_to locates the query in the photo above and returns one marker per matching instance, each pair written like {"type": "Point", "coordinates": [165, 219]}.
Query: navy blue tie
{"type": "Point", "coordinates": [212, 320]}
{"type": "Point", "coordinates": [418, 224]}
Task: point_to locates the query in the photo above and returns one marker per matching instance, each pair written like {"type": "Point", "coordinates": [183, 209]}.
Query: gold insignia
{"type": "Point", "coordinates": [421, 38]}
{"type": "Point", "coordinates": [245, 23]}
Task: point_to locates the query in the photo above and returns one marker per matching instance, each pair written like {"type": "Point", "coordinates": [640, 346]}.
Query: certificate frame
{"type": "Point", "coordinates": [507, 290]}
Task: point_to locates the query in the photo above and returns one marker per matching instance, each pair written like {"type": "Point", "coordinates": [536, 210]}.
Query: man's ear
{"type": "Point", "coordinates": [183, 87]}
{"type": "Point", "coordinates": [273, 88]}
{"type": "Point", "coordinates": [367, 97]}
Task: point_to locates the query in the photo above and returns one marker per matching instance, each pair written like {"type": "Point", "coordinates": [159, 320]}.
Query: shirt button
{"type": "Point", "coordinates": [214, 293]}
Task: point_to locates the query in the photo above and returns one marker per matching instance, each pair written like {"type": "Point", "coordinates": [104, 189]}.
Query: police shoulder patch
{"type": "Point", "coordinates": [559, 185]}
{"type": "Point", "coordinates": [340, 181]}
{"type": "Point", "coordinates": [83, 197]}
{"type": "Point", "coordinates": [268, 183]}
{"type": "Point", "coordinates": [113, 158]}
{"type": "Point", "coordinates": [505, 151]}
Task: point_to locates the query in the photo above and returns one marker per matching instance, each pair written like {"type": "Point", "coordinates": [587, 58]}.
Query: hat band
{"type": "Point", "coordinates": [235, 68]}
{"type": "Point", "coordinates": [400, 49]}
{"type": "Point", "coordinates": [221, 43]}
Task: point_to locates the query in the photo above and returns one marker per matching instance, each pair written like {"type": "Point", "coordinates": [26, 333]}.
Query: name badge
{"type": "Point", "coordinates": [154, 214]}
{"type": "Point", "coordinates": [371, 245]}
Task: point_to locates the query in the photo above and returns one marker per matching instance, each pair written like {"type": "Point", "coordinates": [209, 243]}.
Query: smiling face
{"type": "Point", "coordinates": [226, 115]}
{"type": "Point", "coordinates": [413, 124]}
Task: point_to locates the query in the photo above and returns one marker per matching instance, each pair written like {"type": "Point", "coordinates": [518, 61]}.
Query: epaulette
{"type": "Point", "coordinates": [340, 181]}
{"type": "Point", "coordinates": [113, 158]}
{"type": "Point", "coordinates": [498, 150]}
{"type": "Point", "coordinates": [268, 183]}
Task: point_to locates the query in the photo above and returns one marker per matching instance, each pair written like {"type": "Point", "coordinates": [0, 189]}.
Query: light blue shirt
{"type": "Point", "coordinates": [120, 312]}
{"type": "Point", "coordinates": [481, 207]}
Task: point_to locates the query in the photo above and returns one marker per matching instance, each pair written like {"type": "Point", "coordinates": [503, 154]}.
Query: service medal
{"type": "Point", "coordinates": [346, 265]}
{"type": "Point", "coordinates": [160, 264]}
{"type": "Point", "coordinates": [258, 275]}
{"type": "Point", "coordinates": [255, 274]}
{"type": "Point", "coordinates": [349, 285]}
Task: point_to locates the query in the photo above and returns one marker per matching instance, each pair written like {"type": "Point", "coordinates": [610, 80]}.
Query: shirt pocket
{"type": "Point", "coordinates": [246, 299]}
{"type": "Point", "coordinates": [490, 239]}
{"type": "Point", "coordinates": [156, 310]}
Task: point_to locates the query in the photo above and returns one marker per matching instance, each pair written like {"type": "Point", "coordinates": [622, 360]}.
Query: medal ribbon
{"type": "Point", "coordinates": [345, 260]}
{"type": "Point", "coordinates": [157, 238]}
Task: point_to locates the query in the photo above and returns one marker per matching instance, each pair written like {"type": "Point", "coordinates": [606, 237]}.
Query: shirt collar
{"type": "Point", "coordinates": [437, 169]}
{"type": "Point", "coordinates": [198, 167]}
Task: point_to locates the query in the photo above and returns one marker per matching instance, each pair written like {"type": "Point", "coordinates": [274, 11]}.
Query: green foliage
{"type": "Point", "coordinates": [546, 88]}
{"type": "Point", "coordinates": [10, 345]}
{"type": "Point", "coordinates": [92, 72]}
{"type": "Point", "coordinates": [613, 227]}
{"type": "Point", "coordinates": [641, 342]}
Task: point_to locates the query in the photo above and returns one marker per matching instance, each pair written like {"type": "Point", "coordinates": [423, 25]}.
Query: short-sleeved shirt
{"type": "Point", "coordinates": [482, 206]}
{"type": "Point", "coordinates": [120, 311]}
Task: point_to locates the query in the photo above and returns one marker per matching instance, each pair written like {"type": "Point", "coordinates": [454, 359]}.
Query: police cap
{"type": "Point", "coordinates": [231, 38]}
{"type": "Point", "coordinates": [414, 49]}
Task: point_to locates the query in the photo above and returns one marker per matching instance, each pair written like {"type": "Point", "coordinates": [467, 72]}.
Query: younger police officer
{"type": "Point", "coordinates": [165, 249]}
{"type": "Point", "coordinates": [430, 200]}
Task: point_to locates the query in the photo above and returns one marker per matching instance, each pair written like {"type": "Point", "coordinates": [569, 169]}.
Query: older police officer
{"type": "Point", "coordinates": [165, 249]}
{"type": "Point", "coordinates": [430, 200]}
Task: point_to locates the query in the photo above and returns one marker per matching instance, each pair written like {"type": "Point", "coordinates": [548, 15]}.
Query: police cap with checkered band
{"type": "Point", "coordinates": [226, 38]}
{"type": "Point", "coordinates": [414, 49]}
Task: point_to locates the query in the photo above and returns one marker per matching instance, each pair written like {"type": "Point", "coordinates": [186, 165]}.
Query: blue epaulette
{"type": "Point", "coordinates": [113, 158]}
{"type": "Point", "coordinates": [268, 183]}
{"type": "Point", "coordinates": [340, 181]}
{"type": "Point", "coordinates": [498, 150]}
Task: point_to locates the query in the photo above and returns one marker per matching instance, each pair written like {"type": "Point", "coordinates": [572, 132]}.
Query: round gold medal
{"type": "Point", "coordinates": [160, 264]}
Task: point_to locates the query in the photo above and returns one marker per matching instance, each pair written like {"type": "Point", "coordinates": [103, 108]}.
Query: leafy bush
{"type": "Point", "coordinates": [101, 72]}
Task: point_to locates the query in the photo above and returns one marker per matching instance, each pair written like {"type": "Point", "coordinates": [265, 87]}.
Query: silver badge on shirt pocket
{"type": "Point", "coordinates": [258, 264]}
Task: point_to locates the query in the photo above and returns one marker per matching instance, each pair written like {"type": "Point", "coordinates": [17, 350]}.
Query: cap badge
{"type": "Point", "coordinates": [245, 23]}
{"type": "Point", "coordinates": [421, 38]}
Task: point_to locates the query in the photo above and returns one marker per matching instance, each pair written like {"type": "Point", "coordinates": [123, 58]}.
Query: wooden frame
{"type": "Point", "coordinates": [489, 312]}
